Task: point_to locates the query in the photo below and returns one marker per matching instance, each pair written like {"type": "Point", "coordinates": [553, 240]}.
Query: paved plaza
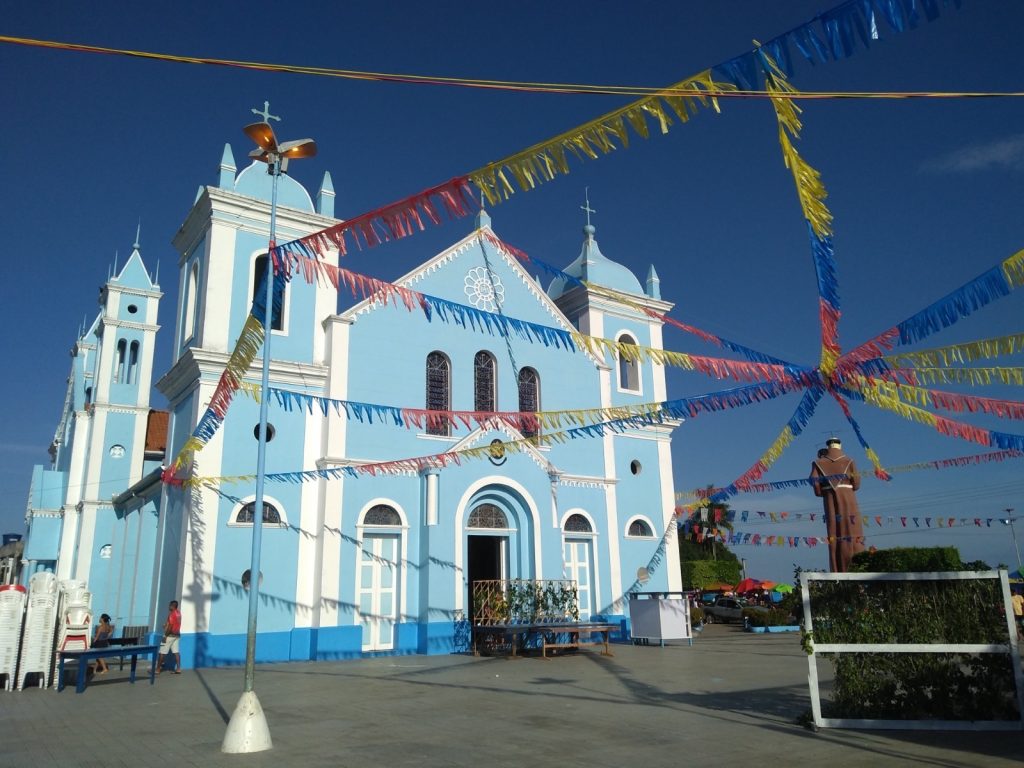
{"type": "Point", "coordinates": [732, 698]}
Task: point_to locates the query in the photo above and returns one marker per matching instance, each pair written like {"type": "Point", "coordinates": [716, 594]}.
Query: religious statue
{"type": "Point", "coordinates": [835, 478]}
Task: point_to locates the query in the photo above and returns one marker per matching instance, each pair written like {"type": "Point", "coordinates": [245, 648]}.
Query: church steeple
{"type": "Point", "coordinates": [227, 169]}
{"type": "Point", "coordinates": [325, 196]}
{"type": "Point", "coordinates": [653, 283]}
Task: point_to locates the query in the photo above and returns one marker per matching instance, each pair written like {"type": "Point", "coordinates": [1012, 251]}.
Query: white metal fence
{"type": "Point", "coordinates": [1010, 649]}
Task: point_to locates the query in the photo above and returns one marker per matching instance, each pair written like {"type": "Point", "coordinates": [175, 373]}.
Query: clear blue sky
{"type": "Point", "coordinates": [926, 194]}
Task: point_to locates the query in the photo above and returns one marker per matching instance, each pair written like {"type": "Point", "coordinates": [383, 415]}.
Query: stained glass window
{"type": "Point", "coordinates": [247, 514]}
{"type": "Point", "coordinates": [578, 524]}
{"type": "Point", "coordinates": [640, 528]}
{"type": "Point", "coordinates": [487, 516]}
{"type": "Point", "coordinates": [529, 395]}
{"type": "Point", "coordinates": [438, 391]}
{"type": "Point", "coordinates": [483, 381]}
{"type": "Point", "coordinates": [382, 514]}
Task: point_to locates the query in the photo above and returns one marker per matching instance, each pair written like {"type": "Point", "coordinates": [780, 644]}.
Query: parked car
{"type": "Point", "coordinates": [726, 609]}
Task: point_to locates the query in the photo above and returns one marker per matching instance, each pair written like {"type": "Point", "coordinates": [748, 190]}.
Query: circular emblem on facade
{"type": "Point", "coordinates": [484, 290]}
{"type": "Point", "coordinates": [117, 451]}
{"type": "Point", "coordinates": [497, 453]}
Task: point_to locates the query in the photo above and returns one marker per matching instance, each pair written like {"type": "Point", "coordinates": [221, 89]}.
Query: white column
{"type": "Point", "coordinates": [331, 492]}
{"type": "Point", "coordinates": [430, 476]}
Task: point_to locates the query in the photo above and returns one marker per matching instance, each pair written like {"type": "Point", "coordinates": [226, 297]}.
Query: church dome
{"type": "Point", "coordinates": [593, 266]}
{"type": "Point", "coordinates": [254, 181]}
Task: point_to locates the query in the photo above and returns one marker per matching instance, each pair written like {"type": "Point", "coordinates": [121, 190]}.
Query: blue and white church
{"type": "Point", "coordinates": [357, 565]}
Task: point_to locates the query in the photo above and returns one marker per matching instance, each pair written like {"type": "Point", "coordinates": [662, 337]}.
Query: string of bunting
{"type": "Point", "coordinates": [598, 290]}
{"type": "Point", "coordinates": [741, 538]}
{"type": "Point", "coordinates": [703, 495]}
{"type": "Point", "coordinates": [444, 459]}
{"type": "Point", "coordinates": [940, 424]}
{"type": "Point", "coordinates": [829, 36]}
{"type": "Point", "coordinates": [701, 517]}
{"type": "Point", "coordinates": [523, 421]}
{"type": "Point", "coordinates": [371, 289]}
{"type": "Point", "coordinates": [947, 401]}
{"type": "Point", "coordinates": [249, 343]}
{"type": "Point", "coordinates": [811, 194]}
{"type": "Point", "coordinates": [993, 284]}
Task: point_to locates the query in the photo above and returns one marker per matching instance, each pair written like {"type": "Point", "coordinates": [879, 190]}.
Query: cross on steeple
{"type": "Point", "coordinates": [265, 114]}
{"type": "Point", "coordinates": [586, 206]}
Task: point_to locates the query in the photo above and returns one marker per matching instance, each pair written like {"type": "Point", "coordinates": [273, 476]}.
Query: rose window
{"type": "Point", "coordinates": [484, 291]}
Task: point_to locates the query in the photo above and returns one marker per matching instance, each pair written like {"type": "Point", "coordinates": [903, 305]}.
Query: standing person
{"type": "Point", "coordinates": [172, 636]}
{"type": "Point", "coordinates": [835, 480]}
{"type": "Point", "coordinates": [101, 639]}
{"type": "Point", "coordinates": [1018, 611]}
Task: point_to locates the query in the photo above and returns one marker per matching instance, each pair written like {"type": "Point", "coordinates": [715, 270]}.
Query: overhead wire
{"type": "Point", "coordinates": [488, 84]}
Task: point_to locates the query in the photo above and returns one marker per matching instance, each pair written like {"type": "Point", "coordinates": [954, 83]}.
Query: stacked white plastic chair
{"type": "Point", "coordinates": [74, 612]}
{"type": "Point", "coordinates": [37, 639]}
{"type": "Point", "coordinates": [12, 617]}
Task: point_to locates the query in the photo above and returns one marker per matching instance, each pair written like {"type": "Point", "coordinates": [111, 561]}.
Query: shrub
{"type": "Point", "coordinates": [909, 560]}
{"type": "Point", "coordinates": [773, 617]}
{"type": "Point", "coordinates": [909, 685]}
{"type": "Point", "coordinates": [696, 616]}
{"type": "Point", "coordinates": [701, 573]}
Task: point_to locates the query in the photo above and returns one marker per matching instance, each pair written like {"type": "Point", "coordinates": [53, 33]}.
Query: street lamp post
{"type": "Point", "coordinates": [1008, 520]}
{"type": "Point", "coordinates": [247, 730]}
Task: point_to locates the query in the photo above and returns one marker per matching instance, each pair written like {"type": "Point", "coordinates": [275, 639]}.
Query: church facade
{"type": "Point", "coordinates": [382, 563]}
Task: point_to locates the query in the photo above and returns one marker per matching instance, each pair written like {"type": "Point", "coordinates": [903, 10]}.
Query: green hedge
{"type": "Point", "coordinates": [911, 686]}
{"type": "Point", "coordinates": [700, 573]}
{"type": "Point", "coordinates": [773, 617]}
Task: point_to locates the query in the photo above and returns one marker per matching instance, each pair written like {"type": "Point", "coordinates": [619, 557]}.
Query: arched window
{"type": "Point", "coordinates": [122, 350]}
{"type": "Point", "coordinates": [529, 395]}
{"type": "Point", "coordinates": [192, 299]}
{"type": "Point", "coordinates": [382, 514]}
{"type": "Point", "coordinates": [640, 528]}
{"type": "Point", "coordinates": [438, 391]}
{"type": "Point", "coordinates": [577, 523]}
{"type": "Point", "coordinates": [629, 369]}
{"type": "Point", "coordinates": [133, 364]}
{"type": "Point", "coordinates": [247, 514]}
{"type": "Point", "coordinates": [259, 271]}
{"type": "Point", "coordinates": [487, 516]}
{"type": "Point", "coordinates": [483, 381]}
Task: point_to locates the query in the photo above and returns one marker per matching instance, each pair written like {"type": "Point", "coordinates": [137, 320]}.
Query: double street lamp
{"type": "Point", "coordinates": [247, 730]}
{"type": "Point", "coordinates": [1008, 520]}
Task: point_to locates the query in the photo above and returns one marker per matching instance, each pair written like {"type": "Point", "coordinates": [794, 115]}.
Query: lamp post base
{"type": "Point", "coordinates": [247, 729]}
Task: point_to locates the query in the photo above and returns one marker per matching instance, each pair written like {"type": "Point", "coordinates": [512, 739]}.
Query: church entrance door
{"type": "Point", "coordinates": [577, 558]}
{"type": "Point", "coordinates": [487, 561]}
{"type": "Point", "coordinates": [377, 593]}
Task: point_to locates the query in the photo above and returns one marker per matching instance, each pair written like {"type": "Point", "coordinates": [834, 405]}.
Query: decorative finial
{"type": "Point", "coordinates": [586, 206]}
{"type": "Point", "coordinates": [138, 231]}
{"type": "Point", "coordinates": [265, 114]}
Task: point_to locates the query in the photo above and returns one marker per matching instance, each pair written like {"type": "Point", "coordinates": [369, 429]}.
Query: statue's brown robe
{"type": "Point", "coordinates": [842, 515]}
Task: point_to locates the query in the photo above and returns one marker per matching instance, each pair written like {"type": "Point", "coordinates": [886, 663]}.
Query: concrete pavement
{"type": "Point", "coordinates": [731, 699]}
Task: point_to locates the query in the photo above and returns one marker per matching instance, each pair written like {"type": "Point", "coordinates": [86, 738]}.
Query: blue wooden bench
{"type": "Point", "coordinates": [84, 657]}
{"type": "Point", "coordinates": [551, 634]}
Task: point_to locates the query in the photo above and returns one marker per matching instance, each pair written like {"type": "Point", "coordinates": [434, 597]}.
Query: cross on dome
{"type": "Point", "coordinates": [265, 114]}
{"type": "Point", "coordinates": [586, 205]}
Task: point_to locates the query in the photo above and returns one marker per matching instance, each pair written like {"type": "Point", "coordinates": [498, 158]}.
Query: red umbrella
{"type": "Point", "coordinates": [748, 585]}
